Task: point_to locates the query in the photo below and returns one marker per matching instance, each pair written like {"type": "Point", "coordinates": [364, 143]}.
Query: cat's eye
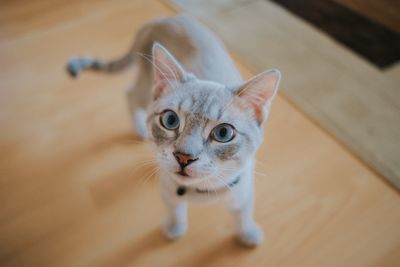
{"type": "Point", "coordinates": [169, 120]}
{"type": "Point", "coordinates": [223, 133]}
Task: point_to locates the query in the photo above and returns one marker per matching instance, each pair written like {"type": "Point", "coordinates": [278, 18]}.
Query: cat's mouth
{"type": "Point", "coordinates": [183, 178]}
{"type": "Point", "coordinates": [182, 173]}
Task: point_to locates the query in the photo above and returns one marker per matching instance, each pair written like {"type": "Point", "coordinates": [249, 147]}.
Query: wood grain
{"type": "Point", "coordinates": [77, 189]}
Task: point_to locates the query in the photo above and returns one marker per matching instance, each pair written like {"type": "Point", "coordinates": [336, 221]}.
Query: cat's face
{"type": "Point", "coordinates": [202, 121]}
{"type": "Point", "coordinates": [202, 130]}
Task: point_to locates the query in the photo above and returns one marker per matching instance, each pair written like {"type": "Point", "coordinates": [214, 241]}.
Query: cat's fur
{"type": "Point", "coordinates": [197, 80]}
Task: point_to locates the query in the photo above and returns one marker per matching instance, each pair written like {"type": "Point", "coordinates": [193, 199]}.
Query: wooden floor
{"type": "Point", "coordinates": [76, 189]}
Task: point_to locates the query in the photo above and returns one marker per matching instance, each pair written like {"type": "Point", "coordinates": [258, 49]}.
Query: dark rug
{"type": "Point", "coordinates": [373, 41]}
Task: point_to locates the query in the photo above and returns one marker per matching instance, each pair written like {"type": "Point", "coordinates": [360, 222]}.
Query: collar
{"type": "Point", "coordinates": [182, 190]}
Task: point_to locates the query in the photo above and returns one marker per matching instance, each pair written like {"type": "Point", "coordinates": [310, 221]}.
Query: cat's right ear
{"type": "Point", "coordinates": [167, 71]}
{"type": "Point", "coordinates": [259, 91]}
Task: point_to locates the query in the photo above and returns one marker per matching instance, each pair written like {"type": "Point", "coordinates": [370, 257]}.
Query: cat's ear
{"type": "Point", "coordinates": [166, 70]}
{"type": "Point", "coordinates": [259, 91]}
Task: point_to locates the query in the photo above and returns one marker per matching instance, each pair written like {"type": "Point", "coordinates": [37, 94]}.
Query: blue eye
{"type": "Point", "coordinates": [223, 133]}
{"type": "Point", "coordinates": [169, 120]}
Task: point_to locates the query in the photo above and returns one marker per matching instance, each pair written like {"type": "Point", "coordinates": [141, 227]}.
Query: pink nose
{"type": "Point", "coordinates": [184, 159]}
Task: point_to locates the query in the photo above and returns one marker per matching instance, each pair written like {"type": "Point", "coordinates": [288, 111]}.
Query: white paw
{"type": "Point", "coordinates": [174, 231]}
{"type": "Point", "coordinates": [252, 236]}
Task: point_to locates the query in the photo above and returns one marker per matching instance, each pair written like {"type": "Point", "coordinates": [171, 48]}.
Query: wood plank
{"type": "Point", "coordinates": [78, 190]}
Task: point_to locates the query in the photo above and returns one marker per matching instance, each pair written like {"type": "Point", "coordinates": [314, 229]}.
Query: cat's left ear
{"type": "Point", "coordinates": [167, 70]}
{"type": "Point", "coordinates": [259, 91]}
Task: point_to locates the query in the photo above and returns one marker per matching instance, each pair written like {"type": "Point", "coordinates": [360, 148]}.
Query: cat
{"type": "Point", "coordinates": [205, 122]}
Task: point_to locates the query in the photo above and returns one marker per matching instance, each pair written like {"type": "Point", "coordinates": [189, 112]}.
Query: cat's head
{"type": "Point", "coordinates": [203, 129]}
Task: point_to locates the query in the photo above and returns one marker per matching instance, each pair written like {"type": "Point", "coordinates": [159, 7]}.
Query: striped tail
{"type": "Point", "coordinates": [76, 65]}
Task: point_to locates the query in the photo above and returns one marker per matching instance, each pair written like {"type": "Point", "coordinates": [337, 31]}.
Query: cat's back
{"type": "Point", "coordinates": [198, 49]}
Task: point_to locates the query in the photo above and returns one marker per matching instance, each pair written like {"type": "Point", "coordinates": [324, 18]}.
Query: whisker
{"type": "Point", "coordinates": [224, 183]}
{"type": "Point", "coordinates": [263, 164]}
{"type": "Point", "coordinates": [144, 162]}
{"type": "Point", "coordinates": [149, 174]}
{"type": "Point", "coordinates": [149, 58]}
{"type": "Point", "coordinates": [152, 174]}
{"type": "Point", "coordinates": [164, 64]}
{"type": "Point", "coordinates": [212, 188]}
{"type": "Point", "coordinates": [155, 66]}
{"type": "Point", "coordinates": [141, 163]}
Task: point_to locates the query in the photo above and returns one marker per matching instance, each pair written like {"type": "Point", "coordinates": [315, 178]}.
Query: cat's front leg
{"type": "Point", "coordinates": [249, 233]}
{"type": "Point", "coordinates": [175, 224]}
{"type": "Point", "coordinates": [247, 230]}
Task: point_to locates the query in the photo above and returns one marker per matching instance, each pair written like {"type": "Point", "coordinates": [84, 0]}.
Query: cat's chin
{"type": "Point", "coordinates": [186, 180]}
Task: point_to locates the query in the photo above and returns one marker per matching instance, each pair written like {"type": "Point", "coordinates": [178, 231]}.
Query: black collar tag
{"type": "Point", "coordinates": [181, 190]}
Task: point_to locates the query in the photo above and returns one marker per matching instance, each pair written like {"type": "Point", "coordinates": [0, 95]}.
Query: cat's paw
{"type": "Point", "coordinates": [251, 237]}
{"type": "Point", "coordinates": [174, 231]}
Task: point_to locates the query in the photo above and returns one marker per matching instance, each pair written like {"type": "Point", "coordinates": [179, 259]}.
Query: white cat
{"type": "Point", "coordinates": [204, 121]}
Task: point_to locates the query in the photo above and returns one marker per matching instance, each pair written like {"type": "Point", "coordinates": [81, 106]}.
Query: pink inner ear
{"type": "Point", "coordinates": [158, 90]}
{"type": "Point", "coordinates": [259, 91]}
{"type": "Point", "coordinates": [166, 69]}
{"type": "Point", "coordinates": [258, 106]}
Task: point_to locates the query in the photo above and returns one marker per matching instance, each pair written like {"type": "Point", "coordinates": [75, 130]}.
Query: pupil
{"type": "Point", "coordinates": [223, 132]}
{"type": "Point", "coordinates": [171, 120]}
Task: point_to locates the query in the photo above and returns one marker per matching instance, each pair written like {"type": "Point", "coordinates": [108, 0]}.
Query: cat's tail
{"type": "Point", "coordinates": [77, 64]}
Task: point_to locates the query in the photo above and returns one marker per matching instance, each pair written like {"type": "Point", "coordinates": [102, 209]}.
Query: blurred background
{"type": "Point", "coordinates": [78, 189]}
